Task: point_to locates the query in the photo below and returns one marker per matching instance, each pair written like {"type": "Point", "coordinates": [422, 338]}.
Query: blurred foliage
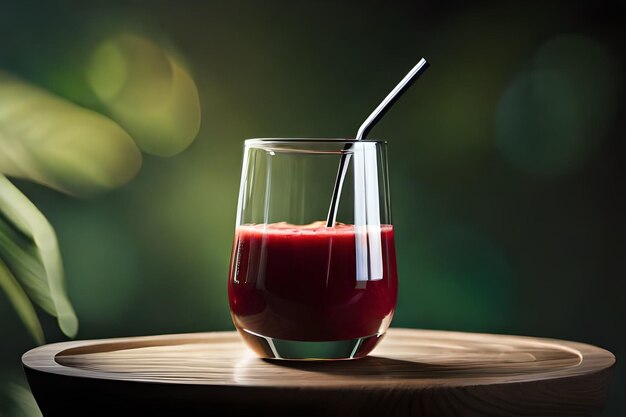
{"type": "Point", "coordinates": [20, 401]}
{"type": "Point", "coordinates": [144, 93]}
{"type": "Point", "coordinates": [506, 158]}
{"type": "Point", "coordinates": [56, 143]}
{"type": "Point", "coordinates": [30, 253]}
{"type": "Point", "coordinates": [20, 301]}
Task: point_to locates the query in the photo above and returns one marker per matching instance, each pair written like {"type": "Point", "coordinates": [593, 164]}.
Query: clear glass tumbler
{"type": "Point", "coordinates": [298, 289]}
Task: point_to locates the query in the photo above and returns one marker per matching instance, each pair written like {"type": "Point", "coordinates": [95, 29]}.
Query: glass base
{"type": "Point", "coordinates": [273, 348]}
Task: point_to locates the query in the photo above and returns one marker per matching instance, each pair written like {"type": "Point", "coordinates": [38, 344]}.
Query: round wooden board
{"type": "Point", "coordinates": [412, 372]}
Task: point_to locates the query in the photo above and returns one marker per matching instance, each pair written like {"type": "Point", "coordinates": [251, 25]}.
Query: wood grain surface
{"type": "Point", "coordinates": [412, 372]}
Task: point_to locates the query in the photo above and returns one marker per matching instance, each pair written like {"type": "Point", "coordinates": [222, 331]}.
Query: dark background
{"type": "Point", "coordinates": [506, 160]}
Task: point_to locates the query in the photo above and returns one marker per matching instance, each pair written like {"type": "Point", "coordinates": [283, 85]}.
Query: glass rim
{"type": "Point", "coordinates": [282, 141]}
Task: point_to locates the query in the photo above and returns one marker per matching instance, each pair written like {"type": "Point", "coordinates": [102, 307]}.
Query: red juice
{"type": "Point", "coordinates": [299, 283]}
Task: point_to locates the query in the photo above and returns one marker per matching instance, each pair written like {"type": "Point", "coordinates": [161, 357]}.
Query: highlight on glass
{"type": "Point", "coordinates": [299, 289]}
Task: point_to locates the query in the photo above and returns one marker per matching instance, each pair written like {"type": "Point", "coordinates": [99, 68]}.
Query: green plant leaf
{"type": "Point", "coordinates": [21, 303]}
{"type": "Point", "coordinates": [23, 402]}
{"type": "Point", "coordinates": [47, 139]}
{"type": "Point", "coordinates": [29, 247]}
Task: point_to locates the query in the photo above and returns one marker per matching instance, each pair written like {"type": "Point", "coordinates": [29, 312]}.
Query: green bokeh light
{"type": "Point", "coordinates": [552, 116]}
{"type": "Point", "coordinates": [539, 124]}
{"type": "Point", "coordinates": [147, 91]}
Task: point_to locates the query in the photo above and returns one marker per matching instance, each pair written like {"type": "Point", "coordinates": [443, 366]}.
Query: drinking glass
{"type": "Point", "coordinates": [298, 289]}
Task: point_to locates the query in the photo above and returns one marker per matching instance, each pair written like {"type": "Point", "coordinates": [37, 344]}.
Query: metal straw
{"type": "Point", "coordinates": [365, 128]}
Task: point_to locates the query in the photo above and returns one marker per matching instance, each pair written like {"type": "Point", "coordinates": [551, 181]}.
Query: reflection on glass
{"type": "Point", "coordinates": [298, 289]}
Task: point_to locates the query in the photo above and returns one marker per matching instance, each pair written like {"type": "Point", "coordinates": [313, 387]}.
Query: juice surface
{"type": "Point", "coordinates": [299, 283]}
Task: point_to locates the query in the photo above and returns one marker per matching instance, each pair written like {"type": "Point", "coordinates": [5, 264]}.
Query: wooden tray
{"type": "Point", "coordinates": [412, 372]}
